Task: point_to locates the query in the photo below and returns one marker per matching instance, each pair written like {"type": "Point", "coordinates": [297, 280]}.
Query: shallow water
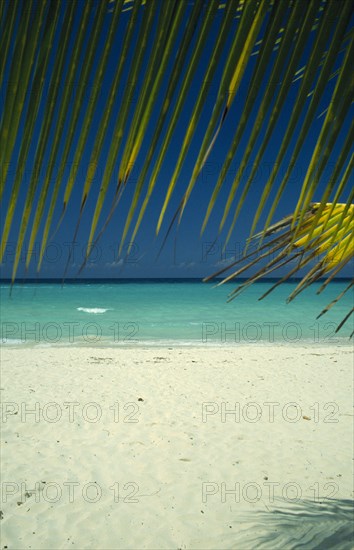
{"type": "Point", "coordinates": [169, 312]}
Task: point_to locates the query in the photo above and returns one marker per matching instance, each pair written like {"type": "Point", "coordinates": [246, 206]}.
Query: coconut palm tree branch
{"type": "Point", "coordinates": [321, 233]}
{"type": "Point", "coordinates": [315, 274]}
{"type": "Point", "coordinates": [266, 271]}
{"type": "Point", "coordinates": [267, 98]}
{"type": "Point", "coordinates": [343, 237]}
{"type": "Point", "coordinates": [286, 277]}
{"type": "Point", "coordinates": [330, 277]}
{"type": "Point", "coordinates": [5, 40]}
{"type": "Point", "coordinates": [167, 14]}
{"type": "Point", "coordinates": [15, 68]}
{"type": "Point", "coordinates": [337, 226]}
{"type": "Point", "coordinates": [87, 123]}
{"type": "Point", "coordinates": [333, 180]}
{"type": "Point", "coordinates": [347, 223]}
{"type": "Point", "coordinates": [67, 30]}
{"type": "Point", "coordinates": [342, 247]}
{"type": "Point", "coordinates": [234, 84]}
{"type": "Point", "coordinates": [279, 102]}
{"type": "Point", "coordinates": [274, 264]}
{"type": "Point", "coordinates": [107, 111]}
{"type": "Point", "coordinates": [64, 107]}
{"type": "Point", "coordinates": [155, 65]}
{"type": "Point", "coordinates": [253, 262]}
{"type": "Point", "coordinates": [343, 183]}
{"type": "Point", "coordinates": [101, 69]}
{"type": "Point", "coordinates": [340, 251]}
{"type": "Point", "coordinates": [148, 98]}
{"type": "Point", "coordinates": [114, 205]}
{"type": "Point", "coordinates": [320, 268]}
{"type": "Point", "coordinates": [140, 48]}
{"type": "Point", "coordinates": [333, 274]}
{"type": "Point", "coordinates": [11, 124]}
{"type": "Point", "coordinates": [47, 117]}
{"type": "Point", "coordinates": [333, 183]}
{"type": "Point", "coordinates": [280, 241]}
{"type": "Point", "coordinates": [2, 13]}
{"type": "Point", "coordinates": [273, 28]}
{"type": "Point", "coordinates": [19, 81]}
{"type": "Point", "coordinates": [118, 132]}
{"type": "Point", "coordinates": [191, 69]}
{"type": "Point", "coordinates": [202, 37]}
{"type": "Point", "coordinates": [47, 121]}
{"type": "Point", "coordinates": [315, 99]}
{"type": "Point", "coordinates": [222, 95]}
{"type": "Point", "coordinates": [308, 77]}
{"type": "Point", "coordinates": [340, 98]}
{"type": "Point", "coordinates": [155, 71]}
{"type": "Point", "coordinates": [335, 130]}
{"type": "Point", "coordinates": [226, 24]}
{"type": "Point", "coordinates": [331, 304]}
{"type": "Point", "coordinates": [32, 112]}
{"type": "Point", "coordinates": [344, 321]}
{"type": "Point", "coordinates": [280, 244]}
{"type": "Point", "coordinates": [166, 54]}
{"type": "Point", "coordinates": [234, 60]}
{"type": "Point", "coordinates": [79, 95]}
{"type": "Point", "coordinates": [306, 223]}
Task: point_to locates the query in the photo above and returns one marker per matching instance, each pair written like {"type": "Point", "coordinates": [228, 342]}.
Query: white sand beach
{"type": "Point", "coordinates": [139, 448]}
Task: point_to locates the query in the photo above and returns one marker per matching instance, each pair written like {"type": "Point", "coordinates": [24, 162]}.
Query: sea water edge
{"type": "Point", "coordinates": [170, 313]}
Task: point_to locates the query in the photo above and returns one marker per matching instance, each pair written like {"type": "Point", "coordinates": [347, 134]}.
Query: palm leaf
{"type": "Point", "coordinates": [79, 95]}
{"type": "Point", "coordinates": [5, 37]}
{"type": "Point", "coordinates": [274, 78]}
{"type": "Point", "coordinates": [307, 79]}
{"type": "Point", "coordinates": [330, 244]}
{"type": "Point", "coordinates": [68, 87]}
{"type": "Point", "coordinates": [181, 100]}
{"type": "Point", "coordinates": [294, 60]}
{"type": "Point", "coordinates": [180, 58]}
{"type": "Point", "coordinates": [270, 39]}
{"type": "Point", "coordinates": [279, 102]}
{"type": "Point", "coordinates": [32, 113]}
{"type": "Point", "coordinates": [340, 102]}
{"type": "Point", "coordinates": [25, 50]}
{"type": "Point", "coordinates": [145, 32]}
{"type": "Point", "coordinates": [103, 127]}
{"type": "Point", "coordinates": [31, 119]}
{"type": "Point", "coordinates": [170, 23]}
{"type": "Point", "coordinates": [234, 68]}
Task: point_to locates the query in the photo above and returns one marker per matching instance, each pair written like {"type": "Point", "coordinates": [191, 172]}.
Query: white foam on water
{"type": "Point", "coordinates": [12, 341]}
{"type": "Point", "coordinates": [94, 310]}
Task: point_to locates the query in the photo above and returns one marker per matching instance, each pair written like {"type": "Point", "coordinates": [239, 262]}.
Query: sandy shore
{"type": "Point", "coordinates": [161, 448]}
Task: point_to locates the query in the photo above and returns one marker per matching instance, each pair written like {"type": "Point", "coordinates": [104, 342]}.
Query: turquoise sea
{"type": "Point", "coordinates": [169, 312]}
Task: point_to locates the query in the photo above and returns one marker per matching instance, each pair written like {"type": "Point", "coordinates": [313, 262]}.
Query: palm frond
{"type": "Point", "coordinates": [329, 243]}
{"type": "Point", "coordinates": [220, 80]}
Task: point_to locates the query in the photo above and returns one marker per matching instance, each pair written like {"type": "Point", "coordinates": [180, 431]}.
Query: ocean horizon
{"type": "Point", "coordinates": [169, 312]}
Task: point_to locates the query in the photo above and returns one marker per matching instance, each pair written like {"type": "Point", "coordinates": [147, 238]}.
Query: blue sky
{"type": "Point", "coordinates": [185, 254]}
